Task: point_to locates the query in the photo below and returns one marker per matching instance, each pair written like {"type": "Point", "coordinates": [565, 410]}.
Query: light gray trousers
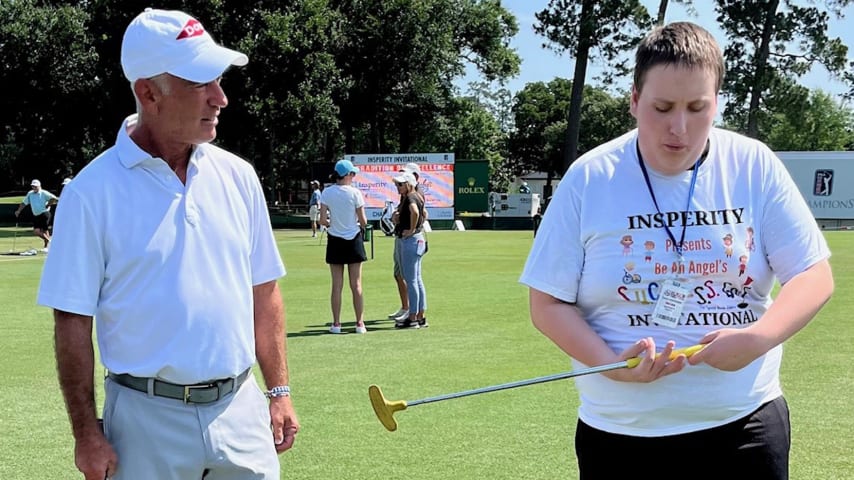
{"type": "Point", "coordinates": [165, 439]}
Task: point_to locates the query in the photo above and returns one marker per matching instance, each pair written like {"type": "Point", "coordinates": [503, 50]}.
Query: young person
{"type": "Point", "coordinates": [403, 313]}
{"type": "Point", "coordinates": [412, 246]}
{"type": "Point", "coordinates": [684, 187]}
{"type": "Point", "coordinates": [342, 211]}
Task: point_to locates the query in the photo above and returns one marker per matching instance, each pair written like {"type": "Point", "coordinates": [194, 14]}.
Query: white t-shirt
{"type": "Point", "coordinates": [602, 245]}
{"type": "Point", "coordinates": [167, 269]}
{"type": "Point", "coordinates": [342, 201]}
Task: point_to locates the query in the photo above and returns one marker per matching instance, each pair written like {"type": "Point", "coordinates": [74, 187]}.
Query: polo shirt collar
{"type": "Point", "coordinates": [130, 155]}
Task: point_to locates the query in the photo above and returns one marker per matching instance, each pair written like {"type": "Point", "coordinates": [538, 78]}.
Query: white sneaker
{"type": "Point", "coordinates": [335, 329]}
{"type": "Point", "coordinates": [43, 250]}
{"type": "Point", "coordinates": [398, 313]}
{"type": "Point", "coordinates": [403, 316]}
{"type": "Point", "coordinates": [361, 329]}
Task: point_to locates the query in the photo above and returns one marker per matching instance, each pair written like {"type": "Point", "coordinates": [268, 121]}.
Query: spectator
{"type": "Point", "coordinates": [342, 212]}
{"type": "Point", "coordinates": [403, 313]}
{"type": "Point", "coordinates": [412, 247]}
{"type": "Point", "coordinates": [166, 240]}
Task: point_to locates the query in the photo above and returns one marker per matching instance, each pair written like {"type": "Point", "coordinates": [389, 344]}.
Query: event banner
{"type": "Point", "coordinates": [376, 183]}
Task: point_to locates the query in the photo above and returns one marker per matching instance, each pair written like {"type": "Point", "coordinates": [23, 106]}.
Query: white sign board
{"type": "Point", "coordinates": [436, 181]}
{"type": "Point", "coordinates": [825, 179]}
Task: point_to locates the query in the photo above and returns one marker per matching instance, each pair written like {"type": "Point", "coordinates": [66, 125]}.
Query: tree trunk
{"type": "Point", "coordinates": [585, 32]}
{"type": "Point", "coordinates": [375, 134]}
{"type": "Point", "coordinates": [349, 142]}
{"type": "Point", "coordinates": [404, 133]}
{"type": "Point", "coordinates": [759, 83]}
{"type": "Point", "coordinates": [662, 12]}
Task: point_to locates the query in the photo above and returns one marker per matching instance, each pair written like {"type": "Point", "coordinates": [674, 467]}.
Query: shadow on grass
{"type": "Point", "coordinates": [347, 328]}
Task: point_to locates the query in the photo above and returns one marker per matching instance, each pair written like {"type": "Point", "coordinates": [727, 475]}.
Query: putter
{"type": "Point", "coordinates": [385, 409]}
{"type": "Point", "coordinates": [14, 239]}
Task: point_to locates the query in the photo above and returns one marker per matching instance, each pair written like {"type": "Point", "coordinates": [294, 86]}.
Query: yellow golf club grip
{"type": "Point", "coordinates": [687, 351]}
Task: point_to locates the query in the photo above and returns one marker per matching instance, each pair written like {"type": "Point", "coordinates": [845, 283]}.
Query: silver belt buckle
{"type": "Point", "coordinates": [188, 390]}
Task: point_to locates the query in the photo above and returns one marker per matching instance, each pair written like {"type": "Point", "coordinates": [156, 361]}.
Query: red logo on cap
{"type": "Point", "coordinates": [193, 28]}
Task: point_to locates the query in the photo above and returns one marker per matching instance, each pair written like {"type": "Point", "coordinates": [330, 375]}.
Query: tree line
{"type": "Point", "coordinates": [328, 77]}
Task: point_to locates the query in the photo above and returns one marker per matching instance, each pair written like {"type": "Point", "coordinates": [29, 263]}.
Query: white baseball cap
{"type": "Point", "coordinates": [169, 41]}
{"type": "Point", "coordinates": [412, 168]}
{"type": "Point", "coordinates": [35, 183]}
{"type": "Point", "coordinates": [405, 177]}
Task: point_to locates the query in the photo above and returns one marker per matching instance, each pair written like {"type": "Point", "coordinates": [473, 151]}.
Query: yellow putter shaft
{"type": "Point", "coordinates": [385, 409]}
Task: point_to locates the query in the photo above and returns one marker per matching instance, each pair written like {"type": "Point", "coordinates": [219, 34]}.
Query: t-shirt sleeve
{"type": "Point", "coordinates": [358, 197]}
{"type": "Point", "coordinates": [556, 258]}
{"type": "Point", "coordinates": [73, 272]}
{"type": "Point", "coordinates": [791, 237]}
{"type": "Point", "coordinates": [265, 259]}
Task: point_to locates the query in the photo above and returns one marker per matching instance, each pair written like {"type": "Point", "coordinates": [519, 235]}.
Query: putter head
{"type": "Point", "coordinates": [385, 409]}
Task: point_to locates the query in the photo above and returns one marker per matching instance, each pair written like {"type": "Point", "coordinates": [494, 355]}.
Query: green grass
{"type": "Point", "coordinates": [480, 335]}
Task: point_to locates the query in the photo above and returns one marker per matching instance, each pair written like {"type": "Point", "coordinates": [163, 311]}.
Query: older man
{"type": "Point", "coordinates": [166, 240]}
{"type": "Point", "coordinates": [40, 202]}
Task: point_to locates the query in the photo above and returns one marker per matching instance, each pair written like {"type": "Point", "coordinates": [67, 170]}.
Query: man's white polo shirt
{"type": "Point", "coordinates": [167, 269]}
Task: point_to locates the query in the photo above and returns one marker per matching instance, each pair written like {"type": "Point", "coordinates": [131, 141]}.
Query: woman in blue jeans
{"type": "Point", "coordinates": [413, 246]}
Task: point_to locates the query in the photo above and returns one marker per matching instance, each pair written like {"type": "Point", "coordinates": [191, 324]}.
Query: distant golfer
{"type": "Point", "coordinates": [681, 184]}
{"type": "Point", "coordinates": [40, 202]}
{"type": "Point", "coordinates": [185, 294]}
{"type": "Point", "coordinates": [314, 207]}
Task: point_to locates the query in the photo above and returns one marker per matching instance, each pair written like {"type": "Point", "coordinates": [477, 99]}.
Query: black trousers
{"type": "Point", "coordinates": [755, 447]}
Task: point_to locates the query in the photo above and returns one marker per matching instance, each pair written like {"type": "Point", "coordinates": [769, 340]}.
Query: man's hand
{"type": "Point", "coordinates": [95, 457]}
{"type": "Point", "coordinates": [284, 422]}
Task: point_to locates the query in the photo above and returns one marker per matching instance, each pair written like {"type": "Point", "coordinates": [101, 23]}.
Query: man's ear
{"type": "Point", "coordinates": [147, 93]}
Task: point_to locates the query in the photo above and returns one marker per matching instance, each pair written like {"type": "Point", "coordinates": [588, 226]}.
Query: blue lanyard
{"type": "Point", "coordinates": [679, 245]}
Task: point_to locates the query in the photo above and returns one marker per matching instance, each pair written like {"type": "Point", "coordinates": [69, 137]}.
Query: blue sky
{"type": "Point", "coordinates": [540, 64]}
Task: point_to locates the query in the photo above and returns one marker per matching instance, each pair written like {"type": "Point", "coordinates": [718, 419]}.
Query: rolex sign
{"type": "Point", "coordinates": [471, 185]}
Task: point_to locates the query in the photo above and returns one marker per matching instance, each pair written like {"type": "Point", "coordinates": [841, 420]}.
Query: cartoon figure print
{"type": "Point", "coordinates": [728, 245]}
{"type": "Point", "coordinates": [742, 264]}
{"type": "Point", "coordinates": [627, 243]}
{"type": "Point", "coordinates": [649, 247]}
{"type": "Point", "coordinates": [749, 244]}
{"type": "Point", "coordinates": [628, 276]}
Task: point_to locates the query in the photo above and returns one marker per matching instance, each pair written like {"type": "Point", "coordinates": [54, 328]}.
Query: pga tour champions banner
{"type": "Point", "coordinates": [826, 181]}
{"type": "Point", "coordinates": [376, 181]}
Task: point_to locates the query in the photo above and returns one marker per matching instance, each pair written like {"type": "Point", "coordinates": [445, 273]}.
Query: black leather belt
{"type": "Point", "coordinates": [199, 393]}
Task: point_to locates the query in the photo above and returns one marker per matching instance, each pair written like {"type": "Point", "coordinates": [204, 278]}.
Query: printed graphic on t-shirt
{"type": "Point", "coordinates": [714, 265]}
